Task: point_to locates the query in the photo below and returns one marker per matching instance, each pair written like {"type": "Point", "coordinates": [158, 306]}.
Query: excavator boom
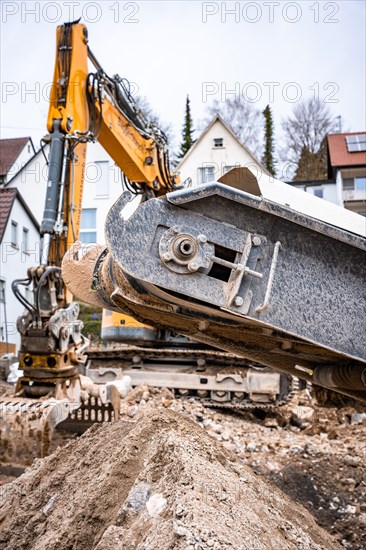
{"type": "Point", "coordinates": [245, 274]}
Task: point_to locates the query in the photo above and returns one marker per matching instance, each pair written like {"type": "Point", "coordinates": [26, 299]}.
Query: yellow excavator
{"type": "Point", "coordinates": [266, 275]}
{"type": "Point", "coordinates": [59, 384]}
{"type": "Point", "coordinates": [84, 107]}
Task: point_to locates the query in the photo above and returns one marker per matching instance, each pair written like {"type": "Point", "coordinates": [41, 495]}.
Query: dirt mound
{"type": "Point", "coordinates": [157, 483]}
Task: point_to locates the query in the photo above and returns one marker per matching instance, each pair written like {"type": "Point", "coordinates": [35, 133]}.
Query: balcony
{"type": "Point", "coordinates": [354, 195]}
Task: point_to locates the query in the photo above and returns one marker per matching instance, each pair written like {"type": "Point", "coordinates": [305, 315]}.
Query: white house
{"type": "Point", "coordinates": [326, 189]}
{"type": "Point", "coordinates": [347, 166]}
{"type": "Point", "coordinates": [19, 237]}
{"type": "Point", "coordinates": [22, 196]}
{"type": "Point", "coordinates": [216, 151]}
{"type": "Point", "coordinates": [102, 187]}
{"type": "Point", "coordinates": [346, 183]}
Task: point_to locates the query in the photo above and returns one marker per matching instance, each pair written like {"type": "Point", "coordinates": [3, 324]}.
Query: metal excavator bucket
{"type": "Point", "coordinates": [28, 425]}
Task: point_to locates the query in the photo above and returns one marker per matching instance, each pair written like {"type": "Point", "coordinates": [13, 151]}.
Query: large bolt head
{"type": "Point", "coordinates": [193, 266]}
{"type": "Point", "coordinates": [238, 301]}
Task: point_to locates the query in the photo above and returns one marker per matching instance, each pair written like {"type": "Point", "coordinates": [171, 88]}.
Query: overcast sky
{"type": "Point", "coordinates": [270, 52]}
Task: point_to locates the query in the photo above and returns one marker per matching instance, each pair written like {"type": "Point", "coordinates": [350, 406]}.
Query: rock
{"type": "Point", "coordinates": [270, 422]}
{"type": "Point", "coordinates": [358, 418]}
{"type": "Point", "coordinates": [272, 466]}
{"type": "Point", "coordinates": [140, 392]}
{"type": "Point", "coordinates": [137, 498]}
{"type": "Point", "coordinates": [302, 415]}
{"type": "Point", "coordinates": [181, 531]}
{"type": "Point", "coordinates": [155, 505]}
{"type": "Point", "coordinates": [133, 410]}
{"type": "Point", "coordinates": [167, 394]}
{"type": "Point", "coordinates": [350, 509]}
{"type": "Point", "coordinates": [49, 506]}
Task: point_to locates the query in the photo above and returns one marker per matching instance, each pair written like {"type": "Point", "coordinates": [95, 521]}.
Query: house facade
{"type": "Point", "coordinates": [215, 152]}
{"type": "Point", "coordinates": [347, 166]}
{"type": "Point", "coordinates": [22, 196]}
{"type": "Point", "coordinates": [326, 189]}
{"type": "Point", "coordinates": [346, 183]}
{"type": "Point", "coordinates": [19, 239]}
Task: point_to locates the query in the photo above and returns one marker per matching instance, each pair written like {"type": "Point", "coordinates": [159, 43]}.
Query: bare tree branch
{"type": "Point", "coordinates": [305, 130]}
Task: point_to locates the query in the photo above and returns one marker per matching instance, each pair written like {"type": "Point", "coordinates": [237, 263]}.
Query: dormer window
{"type": "Point", "coordinates": [218, 142]}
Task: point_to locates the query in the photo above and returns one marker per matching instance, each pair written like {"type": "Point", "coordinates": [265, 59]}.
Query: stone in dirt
{"type": "Point", "coordinates": [159, 482]}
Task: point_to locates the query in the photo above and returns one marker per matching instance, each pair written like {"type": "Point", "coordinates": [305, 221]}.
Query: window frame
{"type": "Point", "coordinates": [14, 231]}
{"type": "Point", "coordinates": [92, 229]}
{"type": "Point", "coordinates": [217, 145]}
{"type": "Point", "coordinates": [205, 170]}
{"type": "Point", "coordinates": [361, 187]}
{"type": "Point", "coordinates": [25, 241]}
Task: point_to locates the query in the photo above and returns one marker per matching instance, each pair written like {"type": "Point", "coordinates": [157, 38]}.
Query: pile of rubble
{"type": "Point", "coordinates": [181, 476]}
{"type": "Point", "coordinates": [317, 455]}
{"type": "Point", "coordinates": [157, 481]}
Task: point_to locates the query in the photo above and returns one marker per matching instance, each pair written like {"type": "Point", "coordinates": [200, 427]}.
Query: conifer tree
{"type": "Point", "coordinates": [187, 132]}
{"type": "Point", "coordinates": [268, 155]}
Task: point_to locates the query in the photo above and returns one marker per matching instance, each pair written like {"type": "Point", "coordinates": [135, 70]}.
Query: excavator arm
{"type": "Point", "coordinates": [85, 106]}
{"type": "Point", "coordinates": [248, 268]}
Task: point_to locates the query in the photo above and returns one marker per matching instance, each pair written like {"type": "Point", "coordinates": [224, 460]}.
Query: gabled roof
{"type": "Point", "coordinates": [10, 149]}
{"type": "Point", "coordinates": [7, 198]}
{"type": "Point", "coordinates": [339, 154]}
{"type": "Point", "coordinates": [227, 127]}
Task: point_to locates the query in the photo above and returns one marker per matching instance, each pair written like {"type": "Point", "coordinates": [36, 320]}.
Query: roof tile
{"type": "Point", "coordinates": [7, 197]}
{"type": "Point", "coordinates": [338, 152]}
{"type": "Point", "coordinates": [10, 149]}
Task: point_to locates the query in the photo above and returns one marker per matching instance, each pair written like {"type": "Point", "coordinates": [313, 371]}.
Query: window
{"type": "Point", "coordinates": [14, 233]}
{"type": "Point", "coordinates": [88, 225]}
{"type": "Point", "coordinates": [348, 183]}
{"type": "Point", "coordinates": [228, 168]}
{"type": "Point", "coordinates": [206, 174]}
{"type": "Point", "coordinates": [2, 291]}
{"type": "Point", "coordinates": [318, 192]}
{"type": "Point", "coordinates": [25, 243]}
{"type": "Point", "coordinates": [356, 143]}
{"type": "Point", "coordinates": [102, 179]}
{"type": "Point", "coordinates": [218, 142]}
{"type": "Point", "coordinates": [360, 184]}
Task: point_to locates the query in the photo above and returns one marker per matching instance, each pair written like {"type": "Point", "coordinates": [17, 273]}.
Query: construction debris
{"type": "Point", "coordinates": [160, 482]}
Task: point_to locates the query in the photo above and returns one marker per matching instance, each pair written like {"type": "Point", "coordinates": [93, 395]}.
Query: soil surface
{"type": "Point", "coordinates": [316, 455]}
{"type": "Point", "coordinates": [159, 482]}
